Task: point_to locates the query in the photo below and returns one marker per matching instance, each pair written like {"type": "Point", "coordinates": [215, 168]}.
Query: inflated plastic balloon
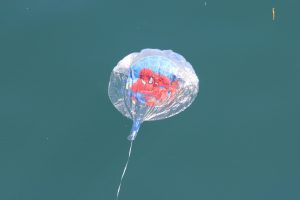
{"type": "Point", "coordinates": [151, 85]}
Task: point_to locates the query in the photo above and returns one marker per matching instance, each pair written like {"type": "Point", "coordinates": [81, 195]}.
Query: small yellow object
{"type": "Point", "coordinates": [273, 13]}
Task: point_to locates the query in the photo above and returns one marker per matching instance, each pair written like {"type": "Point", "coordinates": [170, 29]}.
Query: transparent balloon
{"type": "Point", "coordinates": [152, 85]}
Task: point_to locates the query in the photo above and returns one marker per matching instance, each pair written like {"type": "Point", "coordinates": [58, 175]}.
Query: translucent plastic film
{"type": "Point", "coordinates": [151, 85]}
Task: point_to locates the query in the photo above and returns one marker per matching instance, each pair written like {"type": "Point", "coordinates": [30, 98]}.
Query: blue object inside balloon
{"type": "Point", "coordinates": [157, 64]}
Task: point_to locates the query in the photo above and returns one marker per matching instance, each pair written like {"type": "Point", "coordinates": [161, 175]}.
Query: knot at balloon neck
{"type": "Point", "coordinates": [134, 130]}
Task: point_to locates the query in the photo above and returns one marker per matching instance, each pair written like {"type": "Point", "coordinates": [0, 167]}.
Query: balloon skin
{"type": "Point", "coordinates": [152, 85]}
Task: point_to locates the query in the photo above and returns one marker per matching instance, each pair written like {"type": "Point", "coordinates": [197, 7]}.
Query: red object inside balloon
{"type": "Point", "coordinates": [154, 87]}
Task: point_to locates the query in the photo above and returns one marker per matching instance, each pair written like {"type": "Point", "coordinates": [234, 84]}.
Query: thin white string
{"type": "Point", "coordinates": [124, 170]}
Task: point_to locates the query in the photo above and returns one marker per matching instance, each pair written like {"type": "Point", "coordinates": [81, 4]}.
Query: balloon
{"type": "Point", "coordinates": [152, 85]}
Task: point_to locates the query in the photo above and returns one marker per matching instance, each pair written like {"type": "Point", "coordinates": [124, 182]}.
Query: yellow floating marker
{"type": "Point", "coordinates": [273, 14]}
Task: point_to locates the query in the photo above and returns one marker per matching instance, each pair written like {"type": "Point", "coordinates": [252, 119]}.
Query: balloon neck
{"type": "Point", "coordinates": [134, 130]}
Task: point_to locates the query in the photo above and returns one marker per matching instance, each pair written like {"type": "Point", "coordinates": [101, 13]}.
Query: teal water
{"type": "Point", "coordinates": [61, 138]}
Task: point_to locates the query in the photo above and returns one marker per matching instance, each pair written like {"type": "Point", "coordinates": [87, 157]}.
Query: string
{"type": "Point", "coordinates": [124, 170]}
